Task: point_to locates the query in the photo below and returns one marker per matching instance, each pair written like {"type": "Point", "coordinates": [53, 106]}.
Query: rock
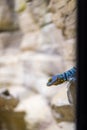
{"type": "Point", "coordinates": [4, 39]}
{"type": "Point", "coordinates": [39, 62]}
{"type": "Point", "coordinates": [7, 100]}
{"type": "Point", "coordinates": [31, 41]}
{"type": "Point", "coordinates": [56, 4]}
{"type": "Point", "coordinates": [43, 46]}
{"type": "Point", "coordinates": [60, 99]}
{"type": "Point", "coordinates": [21, 92]}
{"type": "Point", "coordinates": [30, 70]}
{"type": "Point", "coordinates": [37, 69]}
{"type": "Point", "coordinates": [38, 9]}
{"type": "Point", "coordinates": [64, 16]}
{"type": "Point", "coordinates": [71, 93]}
{"type": "Point", "coordinates": [69, 64]}
{"type": "Point", "coordinates": [12, 120]}
{"type": "Point", "coordinates": [67, 126]}
{"type": "Point", "coordinates": [70, 57]}
{"type": "Point", "coordinates": [70, 25]}
{"type": "Point", "coordinates": [69, 46]}
{"type": "Point", "coordinates": [26, 22]}
{"type": "Point", "coordinates": [48, 40]}
{"type": "Point", "coordinates": [9, 39]}
{"type": "Point", "coordinates": [9, 76]}
{"type": "Point", "coordinates": [8, 22]}
{"type": "Point", "coordinates": [63, 111]}
{"type": "Point", "coordinates": [10, 71]}
{"type": "Point", "coordinates": [46, 19]}
{"type": "Point", "coordinates": [70, 31]}
{"type": "Point", "coordinates": [38, 113]}
{"type": "Point", "coordinates": [20, 5]}
{"type": "Point", "coordinates": [51, 39]}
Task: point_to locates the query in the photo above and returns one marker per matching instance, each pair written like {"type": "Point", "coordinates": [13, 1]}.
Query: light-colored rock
{"type": "Point", "coordinates": [71, 93]}
{"type": "Point", "coordinates": [26, 22]}
{"type": "Point", "coordinates": [57, 4]}
{"type": "Point", "coordinates": [4, 39]}
{"type": "Point", "coordinates": [46, 19]}
{"type": "Point", "coordinates": [64, 16]}
{"type": "Point", "coordinates": [70, 25]}
{"type": "Point", "coordinates": [69, 64]}
{"type": "Point", "coordinates": [20, 92]}
{"type": "Point", "coordinates": [7, 21]}
{"type": "Point", "coordinates": [20, 5]}
{"type": "Point", "coordinates": [38, 9]}
{"type": "Point", "coordinates": [7, 100]}
{"type": "Point", "coordinates": [38, 113]}
{"type": "Point", "coordinates": [8, 59]}
{"type": "Point", "coordinates": [66, 126]}
{"type": "Point", "coordinates": [48, 40]}
{"type": "Point", "coordinates": [12, 120]}
{"type": "Point", "coordinates": [31, 41]}
{"type": "Point", "coordinates": [61, 99]}
{"type": "Point", "coordinates": [11, 71]}
{"type": "Point", "coordinates": [48, 64]}
{"type": "Point", "coordinates": [30, 70]}
{"type": "Point", "coordinates": [36, 68]}
{"type": "Point", "coordinates": [70, 31]}
{"type": "Point", "coordinates": [30, 56]}
{"type": "Point", "coordinates": [51, 39]}
{"type": "Point", "coordinates": [69, 53]}
{"type": "Point", "coordinates": [70, 47]}
{"type": "Point", "coordinates": [10, 40]}
{"type": "Point", "coordinates": [62, 109]}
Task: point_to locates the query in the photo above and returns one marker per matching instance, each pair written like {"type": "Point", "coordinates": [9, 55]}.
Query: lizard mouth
{"type": "Point", "coordinates": [54, 82]}
{"type": "Point", "coordinates": [51, 82]}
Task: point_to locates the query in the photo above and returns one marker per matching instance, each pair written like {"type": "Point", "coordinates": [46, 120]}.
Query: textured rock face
{"type": "Point", "coordinates": [64, 16]}
{"type": "Point", "coordinates": [37, 40]}
{"type": "Point", "coordinates": [7, 16]}
{"type": "Point", "coordinates": [7, 101]}
{"type": "Point", "coordinates": [36, 116]}
{"type": "Point", "coordinates": [64, 102]}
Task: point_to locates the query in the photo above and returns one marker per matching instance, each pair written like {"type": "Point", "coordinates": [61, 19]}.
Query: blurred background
{"type": "Point", "coordinates": [37, 40]}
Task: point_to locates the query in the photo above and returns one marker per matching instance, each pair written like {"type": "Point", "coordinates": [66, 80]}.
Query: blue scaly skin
{"type": "Point", "coordinates": [61, 78]}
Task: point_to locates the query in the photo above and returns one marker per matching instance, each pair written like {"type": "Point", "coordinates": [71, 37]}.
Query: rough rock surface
{"type": "Point", "coordinates": [7, 16]}
{"type": "Point", "coordinates": [37, 40]}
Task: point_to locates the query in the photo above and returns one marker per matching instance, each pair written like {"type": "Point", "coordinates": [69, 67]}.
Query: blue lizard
{"type": "Point", "coordinates": [60, 78]}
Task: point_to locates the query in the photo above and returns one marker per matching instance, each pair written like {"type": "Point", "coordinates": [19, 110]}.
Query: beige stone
{"type": "Point", "coordinates": [7, 21]}
{"type": "Point", "coordinates": [63, 110]}
{"type": "Point", "coordinates": [26, 22]}
{"type": "Point", "coordinates": [64, 13]}
{"type": "Point", "coordinates": [38, 113]}
{"type": "Point", "coordinates": [31, 41]}
{"type": "Point", "coordinates": [69, 50]}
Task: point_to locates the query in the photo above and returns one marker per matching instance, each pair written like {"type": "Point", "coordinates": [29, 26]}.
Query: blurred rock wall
{"type": "Point", "coordinates": [40, 39]}
{"type": "Point", "coordinates": [37, 40]}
